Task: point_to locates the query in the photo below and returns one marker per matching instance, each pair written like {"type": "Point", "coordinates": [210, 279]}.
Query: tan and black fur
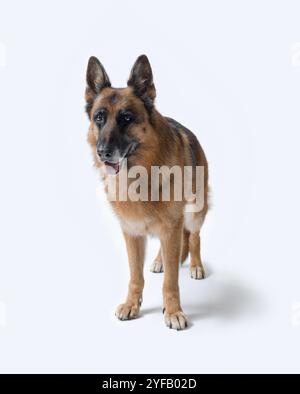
{"type": "Point", "coordinates": [125, 122]}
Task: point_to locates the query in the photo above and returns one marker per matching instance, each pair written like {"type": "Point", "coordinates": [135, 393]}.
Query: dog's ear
{"type": "Point", "coordinates": [141, 80]}
{"type": "Point", "coordinates": [96, 76]}
{"type": "Point", "coordinates": [97, 79]}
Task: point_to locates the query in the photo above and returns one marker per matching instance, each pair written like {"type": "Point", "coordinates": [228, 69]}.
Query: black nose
{"type": "Point", "coordinates": [105, 154]}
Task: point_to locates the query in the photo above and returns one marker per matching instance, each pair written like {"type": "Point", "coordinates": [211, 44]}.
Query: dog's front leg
{"type": "Point", "coordinates": [136, 255]}
{"type": "Point", "coordinates": [171, 251]}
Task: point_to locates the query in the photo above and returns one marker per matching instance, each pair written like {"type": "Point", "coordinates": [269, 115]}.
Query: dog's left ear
{"type": "Point", "coordinates": [141, 80]}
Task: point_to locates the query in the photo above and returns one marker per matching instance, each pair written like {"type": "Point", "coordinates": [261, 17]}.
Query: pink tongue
{"type": "Point", "coordinates": [112, 169]}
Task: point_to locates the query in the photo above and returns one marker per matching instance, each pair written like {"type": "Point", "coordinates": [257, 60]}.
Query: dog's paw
{"type": "Point", "coordinates": [197, 272]}
{"type": "Point", "coordinates": [176, 321]}
{"type": "Point", "coordinates": [157, 267]}
{"type": "Point", "coordinates": [127, 312]}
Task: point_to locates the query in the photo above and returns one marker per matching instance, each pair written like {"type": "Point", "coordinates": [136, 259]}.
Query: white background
{"type": "Point", "coordinates": [230, 71]}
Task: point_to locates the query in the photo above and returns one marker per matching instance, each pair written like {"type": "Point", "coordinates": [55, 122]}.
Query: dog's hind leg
{"type": "Point", "coordinates": [193, 222]}
{"type": "Point", "coordinates": [157, 266]}
{"type": "Point", "coordinates": [196, 266]}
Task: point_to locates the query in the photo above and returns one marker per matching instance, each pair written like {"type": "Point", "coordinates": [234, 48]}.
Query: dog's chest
{"type": "Point", "coordinates": [135, 227]}
{"type": "Point", "coordinates": [136, 220]}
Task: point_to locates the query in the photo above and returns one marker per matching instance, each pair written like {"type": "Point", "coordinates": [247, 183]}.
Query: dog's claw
{"type": "Point", "coordinates": [197, 272]}
{"type": "Point", "coordinates": [176, 321]}
{"type": "Point", "coordinates": [127, 312]}
{"type": "Point", "coordinates": [157, 267]}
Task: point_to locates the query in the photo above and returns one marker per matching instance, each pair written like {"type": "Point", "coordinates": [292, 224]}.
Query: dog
{"type": "Point", "coordinates": [125, 124]}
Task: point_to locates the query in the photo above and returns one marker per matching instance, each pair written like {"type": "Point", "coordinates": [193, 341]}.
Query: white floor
{"type": "Point", "coordinates": [230, 72]}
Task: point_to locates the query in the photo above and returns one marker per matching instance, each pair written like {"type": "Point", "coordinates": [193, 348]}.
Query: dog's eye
{"type": "Point", "coordinates": [100, 117]}
{"type": "Point", "coordinates": [126, 118]}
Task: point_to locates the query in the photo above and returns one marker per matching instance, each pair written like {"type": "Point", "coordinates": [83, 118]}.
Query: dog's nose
{"type": "Point", "coordinates": [105, 154]}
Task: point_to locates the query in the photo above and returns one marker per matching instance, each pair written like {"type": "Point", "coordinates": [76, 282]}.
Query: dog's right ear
{"type": "Point", "coordinates": [141, 80]}
{"type": "Point", "coordinates": [97, 79]}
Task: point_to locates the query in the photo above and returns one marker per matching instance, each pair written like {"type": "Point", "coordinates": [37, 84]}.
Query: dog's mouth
{"type": "Point", "coordinates": [112, 168]}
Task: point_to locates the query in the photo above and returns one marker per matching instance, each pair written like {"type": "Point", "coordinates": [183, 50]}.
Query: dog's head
{"type": "Point", "coordinates": [119, 117]}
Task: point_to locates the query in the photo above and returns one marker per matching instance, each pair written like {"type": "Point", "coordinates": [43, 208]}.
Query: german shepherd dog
{"type": "Point", "coordinates": [124, 123]}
